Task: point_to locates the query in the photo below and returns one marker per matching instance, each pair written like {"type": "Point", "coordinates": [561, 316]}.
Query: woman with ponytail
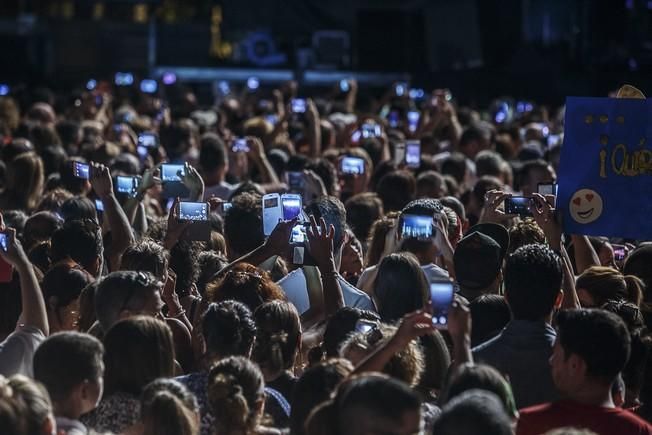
{"type": "Point", "coordinates": [236, 394]}
{"type": "Point", "coordinates": [277, 344]}
{"type": "Point", "coordinates": [598, 285]}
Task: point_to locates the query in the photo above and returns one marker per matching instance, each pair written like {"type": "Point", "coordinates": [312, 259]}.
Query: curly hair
{"type": "Point", "coordinates": [525, 232]}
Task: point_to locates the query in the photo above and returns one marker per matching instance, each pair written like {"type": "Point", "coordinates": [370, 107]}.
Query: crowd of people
{"type": "Point", "coordinates": [158, 276]}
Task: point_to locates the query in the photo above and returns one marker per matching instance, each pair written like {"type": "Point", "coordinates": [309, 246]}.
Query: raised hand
{"type": "Point", "coordinates": [320, 242]}
{"type": "Point", "coordinates": [100, 179]}
{"type": "Point", "coordinates": [490, 211]}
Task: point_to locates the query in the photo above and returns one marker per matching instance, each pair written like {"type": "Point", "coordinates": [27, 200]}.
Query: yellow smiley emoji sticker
{"type": "Point", "coordinates": [585, 206]}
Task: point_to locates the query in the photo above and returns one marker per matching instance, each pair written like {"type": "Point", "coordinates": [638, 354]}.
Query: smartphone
{"type": "Point", "coordinates": [352, 165]}
{"type": "Point", "coordinates": [292, 205]}
{"type": "Point", "coordinates": [418, 227]}
{"type": "Point", "coordinates": [519, 205]}
{"type": "Point", "coordinates": [365, 326]}
{"type": "Point", "coordinates": [370, 130]}
{"type": "Point", "coordinates": [226, 206]}
{"type": "Point", "coordinates": [240, 145]}
{"type": "Point", "coordinates": [417, 94]}
{"type": "Point", "coordinates": [413, 154]}
{"type": "Point", "coordinates": [620, 252]}
{"type": "Point", "coordinates": [99, 206]}
{"type": "Point", "coordinates": [196, 213]}
{"type": "Point", "coordinates": [148, 139]}
{"type": "Point", "coordinates": [169, 78]}
{"type": "Point", "coordinates": [547, 189]}
{"type": "Point", "coordinates": [298, 240]}
{"type": "Point", "coordinates": [298, 105]}
{"type": "Point", "coordinates": [6, 269]}
{"type": "Point", "coordinates": [413, 117]}
{"type": "Point", "coordinates": [272, 119]}
{"type": "Point", "coordinates": [344, 85]}
{"type": "Point", "coordinates": [272, 212]}
{"type": "Point", "coordinates": [148, 86]}
{"type": "Point", "coordinates": [171, 181]}
{"type": "Point", "coordinates": [81, 170]}
{"type": "Point", "coordinates": [91, 85]}
{"type": "Point", "coordinates": [223, 87]}
{"type": "Point", "coordinates": [123, 79]}
{"type": "Point", "coordinates": [399, 153]}
{"type": "Point", "coordinates": [441, 298]}
{"type": "Point", "coordinates": [393, 119]}
{"type": "Point", "coordinates": [143, 152]}
{"type": "Point", "coordinates": [253, 83]}
{"type": "Point", "coordinates": [127, 185]}
{"type": "Point", "coordinates": [295, 181]}
{"type": "Point", "coordinates": [400, 89]}
{"type": "Point", "coordinates": [4, 89]}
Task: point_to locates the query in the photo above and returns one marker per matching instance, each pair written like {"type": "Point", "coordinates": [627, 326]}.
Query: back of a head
{"type": "Point", "coordinates": [490, 314]}
{"type": "Point", "coordinates": [431, 184]}
{"type": "Point", "coordinates": [533, 277]}
{"type": "Point", "coordinates": [599, 337]}
{"type": "Point", "coordinates": [471, 413]}
{"type": "Point", "coordinates": [25, 406]}
{"type": "Point", "coordinates": [123, 291]}
{"type": "Point", "coordinates": [74, 185]}
{"type": "Point", "coordinates": [145, 255]}
{"type": "Point", "coordinates": [63, 284]}
{"type": "Point", "coordinates": [362, 210]}
{"type": "Point", "coordinates": [40, 227]}
{"type": "Point", "coordinates": [235, 389]}
{"type": "Point", "coordinates": [168, 408]}
{"type": "Point", "coordinates": [455, 166]}
{"type": "Point", "coordinates": [78, 208]}
{"type": "Point", "coordinates": [315, 386]}
{"type": "Point", "coordinates": [638, 264]}
{"type": "Point", "coordinates": [138, 350]}
{"type": "Point", "coordinates": [396, 189]}
{"type": "Point", "coordinates": [363, 403]}
{"type": "Point", "coordinates": [67, 359]}
{"type": "Point", "coordinates": [340, 325]}
{"type": "Point", "coordinates": [401, 286]}
{"type": "Point", "coordinates": [479, 377]}
{"type": "Point", "coordinates": [334, 213]}
{"type": "Point", "coordinates": [247, 284]}
{"type": "Point", "coordinates": [488, 162]}
{"type": "Point", "coordinates": [525, 232]}
{"type": "Point", "coordinates": [81, 241]}
{"type": "Point", "coordinates": [278, 335]}
{"type": "Point", "coordinates": [243, 225]}
{"type": "Point", "coordinates": [606, 283]}
{"type": "Point", "coordinates": [24, 179]}
{"type": "Point", "coordinates": [229, 329]}
{"type": "Point", "coordinates": [212, 154]}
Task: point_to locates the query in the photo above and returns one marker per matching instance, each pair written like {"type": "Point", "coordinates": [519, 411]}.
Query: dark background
{"type": "Point", "coordinates": [480, 49]}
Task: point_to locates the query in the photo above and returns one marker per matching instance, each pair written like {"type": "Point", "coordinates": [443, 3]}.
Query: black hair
{"type": "Point", "coordinates": [176, 137]}
{"type": "Point", "coordinates": [79, 240]}
{"type": "Point", "coordinates": [78, 207]}
{"type": "Point", "coordinates": [362, 210]}
{"type": "Point", "coordinates": [65, 360]}
{"type": "Point", "coordinates": [326, 171]}
{"type": "Point", "coordinates": [145, 255]}
{"type": "Point", "coordinates": [209, 263]}
{"type": "Point", "coordinates": [455, 166]}
{"type": "Point", "coordinates": [64, 282]}
{"type": "Point", "coordinates": [401, 286]}
{"type": "Point", "coordinates": [334, 213]}
{"type": "Point", "coordinates": [68, 180]}
{"type": "Point", "coordinates": [490, 314]}
{"type": "Point", "coordinates": [489, 162]}
{"type": "Point", "coordinates": [243, 224]}
{"type": "Point", "coordinates": [431, 184]}
{"type": "Point", "coordinates": [599, 337]}
{"type": "Point", "coordinates": [340, 325]}
{"type": "Point", "coordinates": [212, 152]}
{"type": "Point", "coordinates": [528, 298]}
{"type": "Point", "coordinates": [228, 328]}
{"type": "Point", "coordinates": [278, 335]}
{"type": "Point", "coordinates": [396, 189]}
{"type": "Point", "coordinates": [473, 412]}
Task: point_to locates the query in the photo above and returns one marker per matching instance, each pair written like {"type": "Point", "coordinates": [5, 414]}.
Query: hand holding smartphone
{"type": "Point", "coordinates": [81, 170]}
{"type": "Point", "coordinates": [196, 215]}
{"type": "Point", "coordinates": [519, 205]}
{"type": "Point", "coordinates": [441, 298]}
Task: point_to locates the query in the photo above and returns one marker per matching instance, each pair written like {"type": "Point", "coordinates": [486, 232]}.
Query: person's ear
{"type": "Point", "coordinates": [559, 299]}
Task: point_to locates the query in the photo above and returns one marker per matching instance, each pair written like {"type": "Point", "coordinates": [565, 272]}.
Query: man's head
{"type": "Point", "coordinates": [148, 256]}
{"type": "Point", "coordinates": [431, 184]}
{"type": "Point", "coordinates": [535, 172]}
{"type": "Point", "coordinates": [81, 241]}
{"type": "Point", "coordinates": [213, 156]}
{"type": "Point", "coordinates": [474, 412]}
{"type": "Point", "coordinates": [125, 294]}
{"type": "Point", "coordinates": [243, 225]}
{"type": "Point", "coordinates": [478, 259]}
{"type": "Point", "coordinates": [533, 275]}
{"type": "Point", "coordinates": [591, 349]}
{"type": "Point", "coordinates": [71, 367]}
{"type": "Point", "coordinates": [334, 213]}
{"type": "Point", "coordinates": [475, 138]}
{"type": "Point", "coordinates": [362, 210]}
{"type": "Point", "coordinates": [396, 189]}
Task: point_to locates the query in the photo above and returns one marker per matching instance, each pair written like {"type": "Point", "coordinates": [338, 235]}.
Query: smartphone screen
{"type": "Point", "coordinates": [344, 85]}
{"type": "Point", "coordinates": [298, 235]}
{"type": "Point", "coordinates": [365, 326]}
{"type": "Point", "coordinates": [620, 252]}
{"type": "Point", "coordinates": [99, 205]}
{"type": "Point", "coordinates": [193, 211]}
{"type": "Point", "coordinates": [128, 185]}
{"type": "Point", "coordinates": [124, 79]}
{"type": "Point", "coordinates": [148, 140]}
{"type": "Point", "coordinates": [413, 153]}
{"type": "Point", "coordinates": [352, 165]}
{"type": "Point", "coordinates": [226, 206]}
{"type": "Point", "coordinates": [547, 189]}
{"type": "Point", "coordinates": [4, 242]}
{"type": "Point", "coordinates": [298, 105]}
{"type": "Point", "coordinates": [413, 117]}
{"type": "Point", "coordinates": [416, 227]}
{"type": "Point", "coordinates": [148, 86]}
{"type": "Point", "coordinates": [171, 173]}
{"type": "Point", "coordinates": [240, 146]}
{"type": "Point", "coordinates": [519, 205]}
{"type": "Point", "coordinates": [393, 118]}
{"type": "Point", "coordinates": [81, 170]}
{"type": "Point", "coordinates": [441, 298]}
{"type": "Point", "coordinates": [400, 89]}
{"type": "Point", "coordinates": [291, 206]}
{"type": "Point", "coordinates": [370, 130]}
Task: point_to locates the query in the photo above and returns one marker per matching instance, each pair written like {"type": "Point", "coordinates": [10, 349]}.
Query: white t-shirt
{"type": "Point", "coordinates": [295, 287]}
{"type": "Point", "coordinates": [17, 351]}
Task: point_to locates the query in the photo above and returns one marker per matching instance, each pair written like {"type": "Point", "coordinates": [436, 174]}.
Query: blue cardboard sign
{"type": "Point", "coordinates": [605, 173]}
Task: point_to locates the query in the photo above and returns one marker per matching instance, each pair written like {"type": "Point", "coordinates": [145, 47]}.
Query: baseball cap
{"type": "Point", "coordinates": [479, 255]}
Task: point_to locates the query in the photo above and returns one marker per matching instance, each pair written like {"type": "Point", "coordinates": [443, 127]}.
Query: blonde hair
{"type": "Point", "coordinates": [25, 178]}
